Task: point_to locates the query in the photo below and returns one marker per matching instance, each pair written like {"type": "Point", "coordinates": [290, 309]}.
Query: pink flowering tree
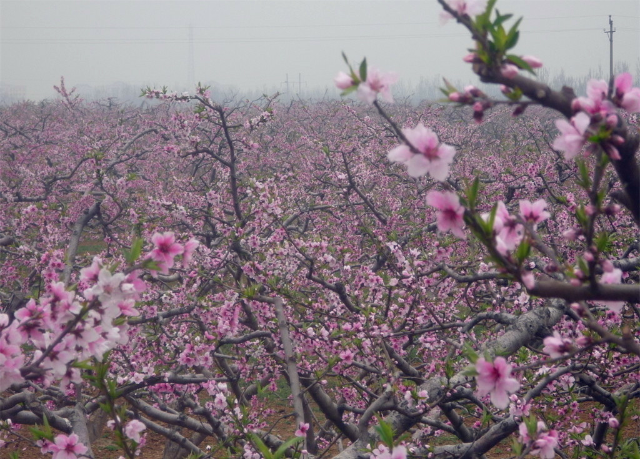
{"type": "Point", "coordinates": [405, 285]}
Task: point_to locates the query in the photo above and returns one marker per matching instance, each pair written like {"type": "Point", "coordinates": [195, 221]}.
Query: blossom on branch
{"type": "Point", "coordinates": [625, 95]}
{"type": "Point", "coordinates": [67, 447]}
{"type": "Point", "coordinates": [343, 81]}
{"type": "Point", "coordinates": [463, 7]}
{"type": "Point", "coordinates": [572, 135]}
{"type": "Point", "coordinates": [133, 429]}
{"type": "Point", "coordinates": [495, 378]}
{"type": "Point", "coordinates": [433, 157]}
{"type": "Point", "coordinates": [451, 212]}
{"type": "Point", "coordinates": [556, 346]}
{"type": "Point", "coordinates": [535, 212]}
{"type": "Point", "coordinates": [613, 276]}
{"type": "Point", "coordinates": [596, 100]}
{"type": "Point", "coordinates": [533, 61]}
{"type": "Point", "coordinates": [302, 429]}
{"type": "Point", "coordinates": [377, 82]}
{"type": "Point", "coordinates": [165, 250]}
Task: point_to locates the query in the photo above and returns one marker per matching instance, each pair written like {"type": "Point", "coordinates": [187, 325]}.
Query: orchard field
{"type": "Point", "coordinates": [329, 278]}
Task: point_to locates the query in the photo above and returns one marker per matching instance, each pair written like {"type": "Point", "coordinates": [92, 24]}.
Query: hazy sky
{"type": "Point", "coordinates": [254, 44]}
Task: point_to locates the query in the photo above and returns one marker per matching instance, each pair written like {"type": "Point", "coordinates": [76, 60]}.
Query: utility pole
{"type": "Point", "coordinates": [191, 73]}
{"type": "Point", "coordinates": [610, 33]}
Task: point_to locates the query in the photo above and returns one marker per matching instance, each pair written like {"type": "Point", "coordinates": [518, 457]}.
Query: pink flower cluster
{"type": "Point", "coordinates": [557, 346]}
{"type": "Point", "coordinates": [40, 324]}
{"type": "Point", "coordinates": [463, 8]}
{"type": "Point", "coordinates": [424, 154]}
{"type": "Point", "coordinates": [507, 228]}
{"type": "Point", "coordinates": [543, 444]}
{"type": "Point", "coordinates": [63, 447]}
{"type": "Point", "coordinates": [376, 82]}
{"type": "Point", "coordinates": [594, 111]}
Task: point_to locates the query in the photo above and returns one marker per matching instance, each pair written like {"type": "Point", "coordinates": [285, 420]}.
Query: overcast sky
{"type": "Point", "coordinates": [255, 44]}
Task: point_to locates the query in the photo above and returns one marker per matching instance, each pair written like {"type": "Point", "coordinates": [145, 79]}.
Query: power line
{"type": "Point", "coordinates": [283, 26]}
{"type": "Point", "coordinates": [128, 41]}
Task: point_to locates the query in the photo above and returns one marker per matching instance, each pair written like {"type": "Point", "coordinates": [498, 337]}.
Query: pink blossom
{"type": "Point", "coordinates": [450, 215]}
{"type": "Point", "coordinates": [495, 378]}
{"type": "Point", "coordinates": [377, 82]}
{"type": "Point", "coordinates": [302, 429]}
{"type": "Point", "coordinates": [533, 61]}
{"type": "Point", "coordinates": [545, 444]}
{"type": "Point", "coordinates": [613, 423]}
{"type": "Point", "coordinates": [189, 247]}
{"type": "Point", "coordinates": [528, 279]}
{"type": "Point", "coordinates": [470, 58]}
{"type": "Point", "coordinates": [509, 70]}
{"type": "Point", "coordinates": [587, 441]}
{"type": "Point", "coordinates": [572, 135]}
{"type": "Point", "coordinates": [613, 277]}
{"type": "Point", "coordinates": [556, 346]}
{"type": "Point", "coordinates": [627, 97]}
{"type": "Point", "coordinates": [220, 401]}
{"type": "Point", "coordinates": [90, 274]}
{"type": "Point", "coordinates": [399, 452]}
{"type": "Point", "coordinates": [434, 158]}
{"type": "Point", "coordinates": [133, 429]}
{"type": "Point", "coordinates": [67, 447]}
{"type": "Point", "coordinates": [596, 100]}
{"type": "Point", "coordinates": [165, 250]}
{"type": "Point", "coordinates": [508, 231]}
{"type": "Point", "coordinates": [347, 356]}
{"type": "Point", "coordinates": [534, 212]}
{"type": "Point", "coordinates": [464, 7]}
{"type": "Point", "coordinates": [343, 81]}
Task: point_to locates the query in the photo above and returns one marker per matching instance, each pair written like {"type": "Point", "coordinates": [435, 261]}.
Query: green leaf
{"type": "Point", "coordinates": [363, 69]}
{"type": "Point", "coordinates": [150, 264]}
{"type": "Point", "coordinates": [522, 252]}
{"type": "Point", "coordinates": [517, 60]}
{"type": "Point", "coordinates": [136, 249]}
{"type": "Point", "coordinates": [511, 41]}
{"type": "Point", "coordinates": [385, 431]}
{"type": "Point", "coordinates": [344, 56]}
{"type": "Point", "coordinates": [603, 242]}
{"type": "Point", "coordinates": [469, 353]}
{"type": "Point", "coordinates": [286, 445]}
{"type": "Point", "coordinates": [634, 452]}
{"type": "Point", "coordinates": [500, 18]}
{"type": "Point", "coordinates": [472, 193]}
{"type": "Point", "coordinates": [585, 179]}
{"type": "Point", "coordinates": [349, 90]}
{"type": "Point", "coordinates": [258, 443]}
{"type": "Point", "coordinates": [449, 371]}
{"type": "Point", "coordinates": [583, 266]}
{"type": "Point", "coordinates": [451, 88]}
{"type": "Point", "coordinates": [470, 371]}
{"type": "Point", "coordinates": [516, 447]}
{"type": "Point", "coordinates": [513, 35]}
{"type": "Point", "coordinates": [482, 20]}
